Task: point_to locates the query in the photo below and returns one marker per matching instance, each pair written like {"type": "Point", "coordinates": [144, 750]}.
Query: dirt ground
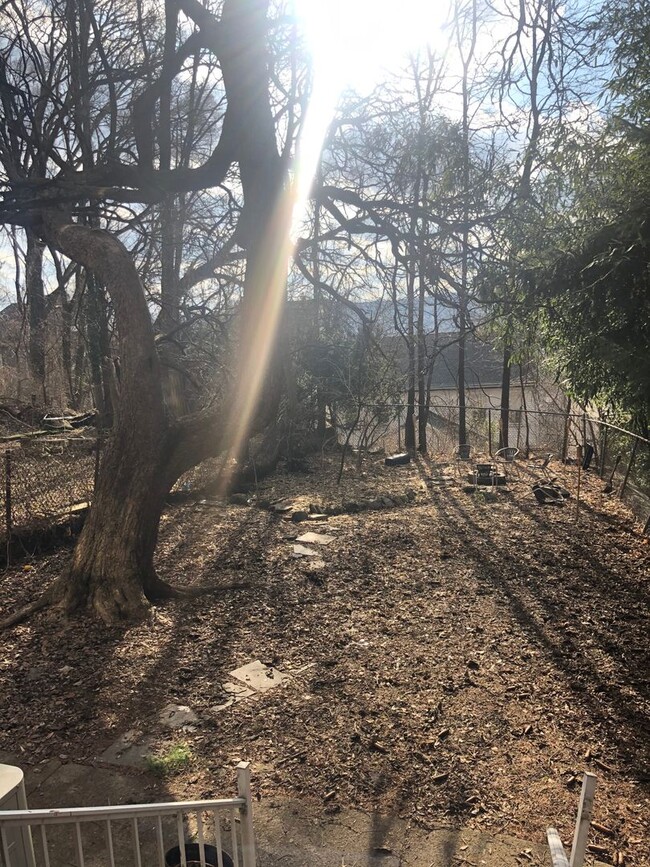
{"type": "Point", "coordinates": [457, 657]}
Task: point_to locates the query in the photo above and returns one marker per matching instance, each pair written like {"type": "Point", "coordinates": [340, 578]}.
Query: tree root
{"type": "Point", "coordinates": [157, 590]}
{"type": "Point", "coordinates": [24, 613]}
{"type": "Point", "coordinates": [161, 590]}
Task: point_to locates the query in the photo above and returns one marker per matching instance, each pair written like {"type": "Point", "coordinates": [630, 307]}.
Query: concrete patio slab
{"type": "Point", "coordinates": [289, 833]}
{"type": "Point", "coordinates": [130, 750]}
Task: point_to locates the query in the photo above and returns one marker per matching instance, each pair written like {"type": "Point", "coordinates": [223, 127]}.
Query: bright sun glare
{"type": "Point", "coordinates": [352, 40]}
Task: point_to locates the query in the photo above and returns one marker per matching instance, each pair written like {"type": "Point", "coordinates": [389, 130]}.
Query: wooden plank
{"type": "Point", "coordinates": [583, 820]}
{"type": "Point", "coordinates": [558, 855]}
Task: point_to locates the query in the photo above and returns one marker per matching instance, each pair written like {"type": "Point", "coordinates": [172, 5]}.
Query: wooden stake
{"type": "Point", "coordinates": [558, 855]}
{"type": "Point", "coordinates": [583, 821]}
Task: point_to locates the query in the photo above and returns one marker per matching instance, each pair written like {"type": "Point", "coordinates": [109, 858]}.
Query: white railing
{"type": "Point", "coordinates": [203, 819]}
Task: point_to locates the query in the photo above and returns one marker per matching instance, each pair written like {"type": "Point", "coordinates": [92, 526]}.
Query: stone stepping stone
{"type": "Point", "coordinates": [303, 551]}
{"type": "Point", "coordinates": [236, 690]}
{"type": "Point", "coordinates": [131, 750]}
{"type": "Point", "coordinates": [259, 677]}
{"type": "Point", "coordinates": [177, 716]}
{"type": "Point", "coordinates": [316, 538]}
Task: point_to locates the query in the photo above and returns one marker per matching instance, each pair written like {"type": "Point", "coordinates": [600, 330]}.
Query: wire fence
{"type": "Point", "coordinates": [45, 480]}
{"type": "Point", "coordinates": [621, 458]}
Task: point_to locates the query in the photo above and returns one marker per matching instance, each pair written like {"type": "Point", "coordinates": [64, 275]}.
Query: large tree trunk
{"type": "Point", "coordinates": [112, 567]}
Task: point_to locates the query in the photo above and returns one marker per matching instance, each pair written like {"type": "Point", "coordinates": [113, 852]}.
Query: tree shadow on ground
{"type": "Point", "coordinates": [550, 613]}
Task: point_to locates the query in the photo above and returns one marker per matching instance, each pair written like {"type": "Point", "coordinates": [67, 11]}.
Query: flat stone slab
{"type": "Point", "coordinates": [236, 690]}
{"type": "Point", "coordinates": [259, 677]}
{"type": "Point", "coordinates": [304, 551]}
{"type": "Point", "coordinates": [35, 775]}
{"type": "Point", "coordinates": [316, 538]}
{"type": "Point", "coordinates": [176, 716]}
{"type": "Point", "coordinates": [292, 834]}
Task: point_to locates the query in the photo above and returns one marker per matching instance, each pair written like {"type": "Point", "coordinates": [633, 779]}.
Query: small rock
{"type": "Point", "coordinates": [299, 516]}
{"type": "Point", "coordinates": [175, 716]}
{"type": "Point", "coordinates": [238, 500]}
{"type": "Point", "coordinates": [351, 506]}
{"type": "Point", "coordinates": [388, 502]}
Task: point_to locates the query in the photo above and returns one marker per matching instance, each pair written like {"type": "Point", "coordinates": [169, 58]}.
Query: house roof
{"type": "Point", "coordinates": [483, 363]}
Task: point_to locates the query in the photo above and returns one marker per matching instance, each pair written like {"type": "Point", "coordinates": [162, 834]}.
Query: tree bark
{"type": "Point", "coordinates": [112, 567]}
{"type": "Point", "coordinates": [35, 294]}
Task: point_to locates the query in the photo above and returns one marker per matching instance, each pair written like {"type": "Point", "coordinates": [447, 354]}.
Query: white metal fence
{"type": "Point", "coordinates": [213, 833]}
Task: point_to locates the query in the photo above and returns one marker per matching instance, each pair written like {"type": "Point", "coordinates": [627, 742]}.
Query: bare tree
{"type": "Point", "coordinates": [112, 567]}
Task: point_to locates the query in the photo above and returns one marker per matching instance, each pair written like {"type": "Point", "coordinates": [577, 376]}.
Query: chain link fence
{"type": "Point", "coordinates": [45, 480]}
{"type": "Point", "coordinates": [620, 457]}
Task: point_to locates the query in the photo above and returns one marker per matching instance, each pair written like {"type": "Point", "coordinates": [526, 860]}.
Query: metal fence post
{"type": "Point", "coordinates": [603, 452]}
{"type": "Point", "coordinates": [567, 424]}
{"type": "Point", "coordinates": [490, 431]}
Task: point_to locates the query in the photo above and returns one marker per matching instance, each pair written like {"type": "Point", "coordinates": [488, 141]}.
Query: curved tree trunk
{"type": "Point", "coordinates": [112, 567]}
